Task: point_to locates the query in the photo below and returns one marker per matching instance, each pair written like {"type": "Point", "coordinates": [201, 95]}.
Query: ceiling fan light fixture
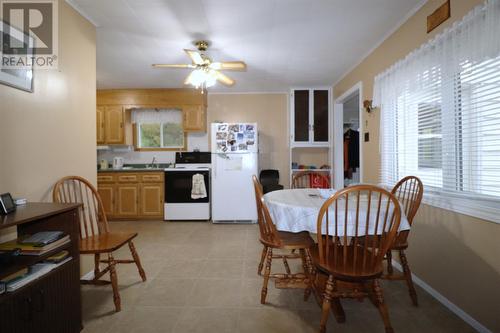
{"type": "Point", "coordinates": [201, 78]}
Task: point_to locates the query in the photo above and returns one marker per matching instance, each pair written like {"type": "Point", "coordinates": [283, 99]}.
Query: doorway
{"type": "Point", "coordinates": [347, 144]}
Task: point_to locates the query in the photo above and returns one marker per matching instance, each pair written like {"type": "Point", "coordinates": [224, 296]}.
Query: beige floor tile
{"type": "Point", "coordinates": [177, 268]}
{"type": "Point", "coordinates": [222, 269]}
{"type": "Point", "coordinates": [204, 320]}
{"type": "Point", "coordinates": [272, 320]}
{"type": "Point", "coordinates": [215, 293]}
{"type": "Point", "coordinates": [147, 319]}
{"type": "Point", "coordinates": [221, 250]}
{"type": "Point", "coordinates": [167, 292]}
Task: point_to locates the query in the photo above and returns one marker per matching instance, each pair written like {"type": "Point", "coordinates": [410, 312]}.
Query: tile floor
{"type": "Point", "coordinates": [202, 278]}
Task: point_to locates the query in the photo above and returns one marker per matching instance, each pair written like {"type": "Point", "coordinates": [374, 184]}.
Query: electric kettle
{"type": "Point", "coordinates": [118, 163]}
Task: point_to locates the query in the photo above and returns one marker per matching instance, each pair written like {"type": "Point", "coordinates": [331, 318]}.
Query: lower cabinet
{"type": "Point", "coordinates": [127, 200]}
{"type": "Point", "coordinates": [130, 195]}
{"type": "Point", "coordinates": [151, 200]}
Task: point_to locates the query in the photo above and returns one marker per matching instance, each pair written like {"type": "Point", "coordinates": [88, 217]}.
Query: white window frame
{"type": "Point", "coordinates": [138, 135]}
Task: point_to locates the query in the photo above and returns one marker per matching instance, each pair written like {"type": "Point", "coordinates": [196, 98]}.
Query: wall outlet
{"type": "Point", "coordinates": [367, 136]}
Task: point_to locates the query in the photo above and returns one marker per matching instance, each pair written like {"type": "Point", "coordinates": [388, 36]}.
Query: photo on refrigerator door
{"type": "Point", "coordinates": [234, 128]}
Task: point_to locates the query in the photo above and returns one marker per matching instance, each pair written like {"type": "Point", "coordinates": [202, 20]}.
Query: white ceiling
{"type": "Point", "coordinates": [285, 43]}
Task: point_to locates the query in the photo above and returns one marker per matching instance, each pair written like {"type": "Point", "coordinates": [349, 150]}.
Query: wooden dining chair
{"type": "Point", "coordinates": [310, 179]}
{"type": "Point", "coordinates": [272, 239]}
{"type": "Point", "coordinates": [95, 236]}
{"type": "Point", "coordinates": [409, 192]}
{"type": "Point", "coordinates": [353, 269]}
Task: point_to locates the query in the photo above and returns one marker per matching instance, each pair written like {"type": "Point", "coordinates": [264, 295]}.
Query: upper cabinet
{"type": "Point", "coordinates": [110, 122]}
{"type": "Point", "coordinates": [114, 107]}
{"type": "Point", "coordinates": [310, 117]}
{"type": "Point", "coordinates": [114, 120]}
{"type": "Point", "coordinates": [100, 125]}
{"type": "Point", "coordinates": [194, 118]}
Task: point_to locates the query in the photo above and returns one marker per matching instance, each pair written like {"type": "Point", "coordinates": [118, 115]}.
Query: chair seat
{"type": "Point", "coordinates": [104, 243]}
{"type": "Point", "coordinates": [346, 270]}
{"type": "Point", "coordinates": [296, 240]}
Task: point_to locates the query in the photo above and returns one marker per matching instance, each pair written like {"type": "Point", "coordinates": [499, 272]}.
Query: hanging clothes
{"type": "Point", "coordinates": [351, 152]}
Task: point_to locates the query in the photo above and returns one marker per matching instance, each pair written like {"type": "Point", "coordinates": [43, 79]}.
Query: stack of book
{"type": "Point", "coordinates": [24, 276]}
{"type": "Point", "coordinates": [37, 244]}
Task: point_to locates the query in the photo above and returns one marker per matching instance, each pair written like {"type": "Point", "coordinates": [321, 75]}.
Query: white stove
{"type": "Point", "coordinates": [180, 205]}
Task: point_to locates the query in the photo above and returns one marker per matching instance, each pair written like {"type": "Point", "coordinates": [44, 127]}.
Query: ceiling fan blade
{"type": "Point", "coordinates": [189, 78]}
{"type": "Point", "coordinates": [173, 66]}
{"type": "Point", "coordinates": [229, 66]}
{"type": "Point", "coordinates": [195, 57]}
{"type": "Point", "coordinates": [223, 78]}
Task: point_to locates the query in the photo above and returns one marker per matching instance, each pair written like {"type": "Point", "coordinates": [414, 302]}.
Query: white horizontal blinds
{"type": "Point", "coordinates": [440, 109]}
{"type": "Point", "coordinates": [479, 91]}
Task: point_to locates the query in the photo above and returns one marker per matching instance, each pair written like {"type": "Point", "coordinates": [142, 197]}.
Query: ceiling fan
{"type": "Point", "coordinates": [206, 72]}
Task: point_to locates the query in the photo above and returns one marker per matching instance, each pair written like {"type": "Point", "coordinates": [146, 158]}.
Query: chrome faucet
{"type": "Point", "coordinates": [153, 162]}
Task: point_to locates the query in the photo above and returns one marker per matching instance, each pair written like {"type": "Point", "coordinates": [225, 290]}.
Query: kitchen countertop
{"type": "Point", "coordinates": [136, 168]}
{"type": "Point", "coordinates": [132, 170]}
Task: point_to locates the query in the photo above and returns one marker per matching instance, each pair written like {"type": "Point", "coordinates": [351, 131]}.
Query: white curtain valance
{"type": "Point", "coordinates": [473, 39]}
{"type": "Point", "coordinates": [153, 116]}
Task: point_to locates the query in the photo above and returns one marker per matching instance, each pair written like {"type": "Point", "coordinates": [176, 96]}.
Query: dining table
{"type": "Point", "coordinates": [296, 210]}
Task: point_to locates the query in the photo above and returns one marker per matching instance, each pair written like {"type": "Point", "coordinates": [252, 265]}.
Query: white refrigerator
{"type": "Point", "coordinates": [234, 148]}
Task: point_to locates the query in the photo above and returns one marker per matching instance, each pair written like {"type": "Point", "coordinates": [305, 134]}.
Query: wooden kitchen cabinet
{"type": "Point", "coordinates": [107, 194]}
{"type": "Point", "coordinates": [100, 125]}
{"type": "Point", "coordinates": [151, 200]}
{"type": "Point", "coordinates": [114, 125]}
{"type": "Point", "coordinates": [110, 122]}
{"type": "Point", "coordinates": [127, 200]}
{"type": "Point", "coordinates": [195, 119]}
{"type": "Point", "coordinates": [132, 195]}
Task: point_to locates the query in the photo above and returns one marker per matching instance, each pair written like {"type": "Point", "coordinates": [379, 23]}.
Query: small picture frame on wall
{"type": "Point", "coordinates": [13, 74]}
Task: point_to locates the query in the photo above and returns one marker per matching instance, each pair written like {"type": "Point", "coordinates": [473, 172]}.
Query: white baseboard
{"type": "Point", "coordinates": [446, 302]}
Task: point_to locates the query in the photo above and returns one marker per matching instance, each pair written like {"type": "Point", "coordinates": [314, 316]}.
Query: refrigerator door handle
{"type": "Point", "coordinates": [214, 162]}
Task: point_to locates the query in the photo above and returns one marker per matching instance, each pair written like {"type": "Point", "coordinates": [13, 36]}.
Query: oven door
{"type": "Point", "coordinates": [178, 186]}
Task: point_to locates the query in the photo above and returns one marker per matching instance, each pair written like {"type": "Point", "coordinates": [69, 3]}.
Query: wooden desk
{"type": "Point", "coordinates": [51, 303]}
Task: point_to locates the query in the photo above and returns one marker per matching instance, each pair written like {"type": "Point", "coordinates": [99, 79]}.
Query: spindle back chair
{"type": "Point", "coordinates": [271, 239]}
{"type": "Point", "coordinates": [95, 235]}
{"type": "Point", "coordinates": [409, 191]}
{"type": "Point", "coordinates": [356, 227]}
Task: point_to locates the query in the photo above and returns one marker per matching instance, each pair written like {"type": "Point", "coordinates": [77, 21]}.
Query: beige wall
{"type": "Point", "coordinates": [270, 112]}
{"type": "Point", "coordinates": [456, 254]}
{"type": "Point", "coordinates": [51, 133]}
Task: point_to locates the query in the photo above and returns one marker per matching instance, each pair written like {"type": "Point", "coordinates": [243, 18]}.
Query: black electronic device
{"type": "Point", "coordinates": [7, 204]}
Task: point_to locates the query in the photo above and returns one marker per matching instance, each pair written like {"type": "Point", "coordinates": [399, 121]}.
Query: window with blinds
{"type": "Point", "coordinates": [448, 132]}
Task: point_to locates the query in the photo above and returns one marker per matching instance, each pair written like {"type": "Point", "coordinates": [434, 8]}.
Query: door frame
{"type": "Point", "coordinates": [338, 133]}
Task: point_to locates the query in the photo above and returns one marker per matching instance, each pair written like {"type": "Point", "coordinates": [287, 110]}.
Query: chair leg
{"type": "Point", "coordinates": [114, 282]}
{"type": "Point", "coordinates": [267, 272]}
{"type": "Point", "coordinates": [325, 312]}
{"type": "Point", "coordinates": [389, 262]}
{"type": "Point", "coordinates": [287, 267]}
{"type": "Point", "coordinates": [137, 260]}
{"type": "Point", "coordinates": [382, 307]}
{"type": "Point", "coordinates": [262, 258]}
{"type": "Point", "coordinates": [307, 272]}
{"type": "Point", "coordinates": [97, 259]}
{"type": "Point", "coordinates": [409, 281]}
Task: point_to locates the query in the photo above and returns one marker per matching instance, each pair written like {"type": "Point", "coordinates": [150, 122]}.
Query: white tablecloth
{"type": "Point", "coordinates": [297, 210]}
